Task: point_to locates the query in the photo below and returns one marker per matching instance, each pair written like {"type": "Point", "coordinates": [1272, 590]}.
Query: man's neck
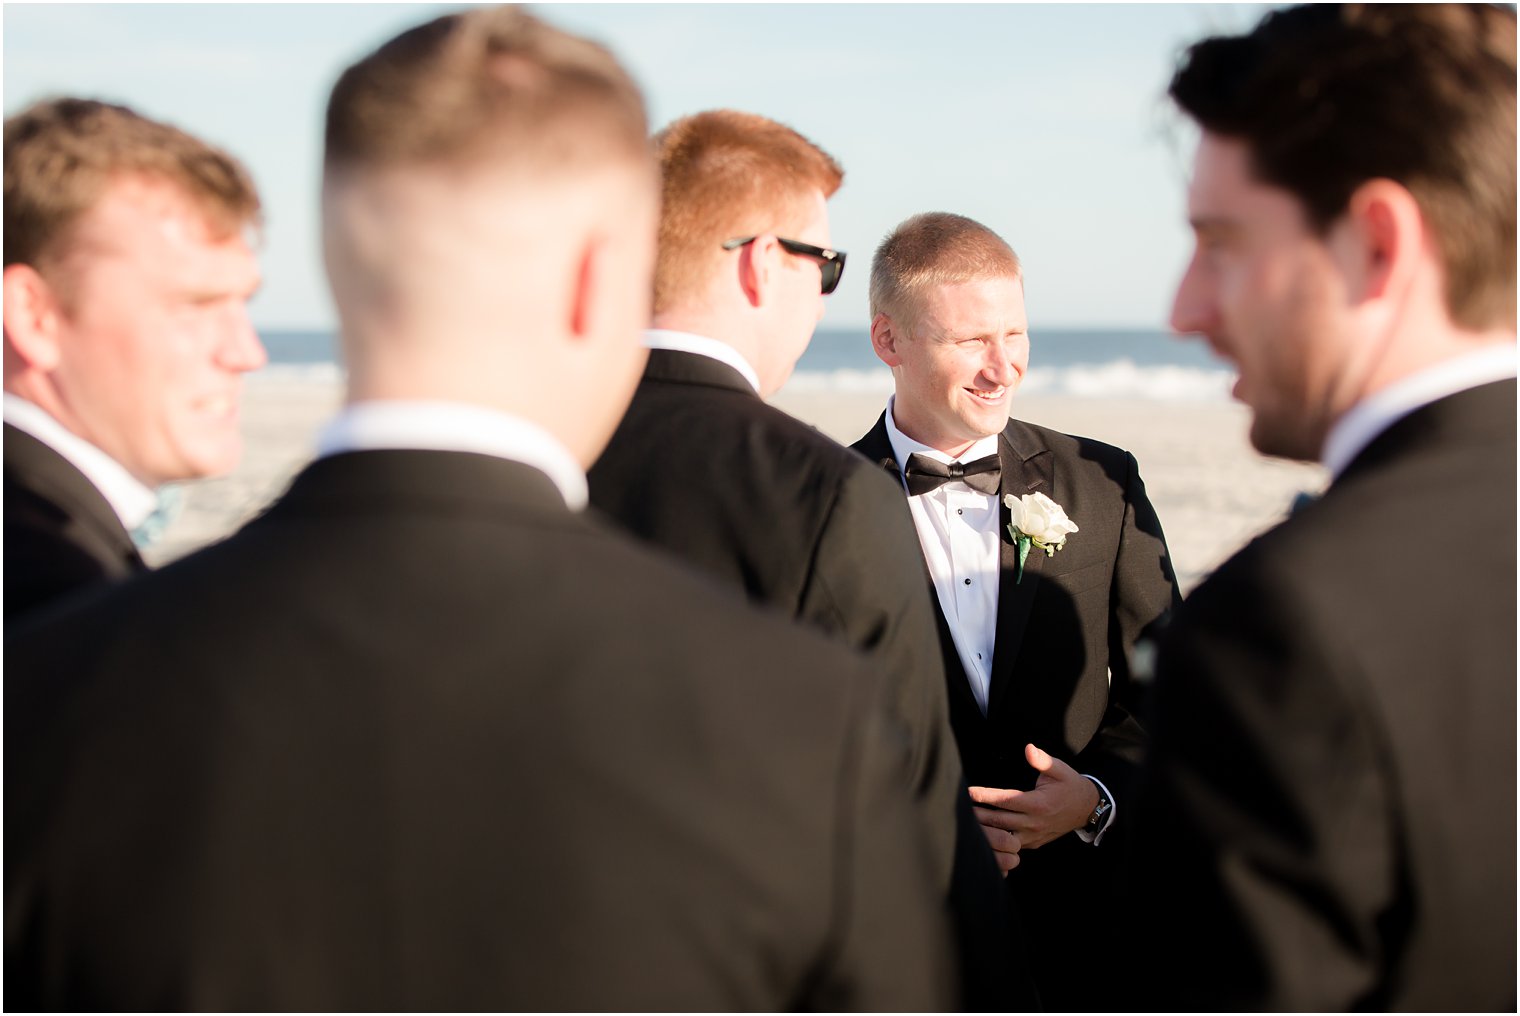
{"type": "Point", "coordinates": [442, 425]}
{"type": "Point", "coordinates": [1375, 412]}
{"type": "Point", "coordinates": [717, 327]}
{"type": "Point", "coordinates": [699, 342]}
{"type": "Point", "coordinates": [901, 440]}
{"type": "Point", "coordinates": [432, 381]}
{"type": "Point", "coordinates": [1422, 343]}
{"type": "Point", "coordinates": [954, 449]}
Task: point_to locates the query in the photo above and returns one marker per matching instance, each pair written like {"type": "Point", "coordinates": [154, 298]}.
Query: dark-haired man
{"type": "Point", "coordinates": [1328, 822]}
{"type": "Point", "coordinates": [127, 274]}
{"type": "Point", "coordinates": [424, 736]}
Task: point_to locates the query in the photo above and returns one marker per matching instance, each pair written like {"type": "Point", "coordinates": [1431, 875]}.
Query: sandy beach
{"type": "Point", "coordinates": [1212, 491]}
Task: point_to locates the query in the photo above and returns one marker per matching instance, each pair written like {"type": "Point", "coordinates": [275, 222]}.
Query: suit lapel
{"type": "Point", "coordinates": [1027, 467]}
{"type": "Point", "coordinates": [877, 447]}
{"type": "Point", "coordinates": [46, 473]}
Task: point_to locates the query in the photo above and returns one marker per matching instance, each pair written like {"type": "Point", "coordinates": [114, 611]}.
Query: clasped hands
{"type": "Point", "coordinates": [1014, 820]}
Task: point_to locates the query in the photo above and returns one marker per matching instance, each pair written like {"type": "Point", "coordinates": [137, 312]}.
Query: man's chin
{"type": "Point", "coordinates": [972, 431]}
{"type": "Point", "coordinates": [211, 463]}
{"type": "Point", "coordinates": [1276, 441]}
{"type": "Point", "coordinates": [990, 420]}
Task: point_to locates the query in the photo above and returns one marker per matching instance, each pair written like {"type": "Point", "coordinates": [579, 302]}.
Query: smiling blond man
{"type": "Point", "coordinates": [1037, 648]}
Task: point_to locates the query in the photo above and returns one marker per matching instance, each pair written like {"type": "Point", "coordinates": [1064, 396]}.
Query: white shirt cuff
{"type": "Point", "coordinates": [1108, 820]}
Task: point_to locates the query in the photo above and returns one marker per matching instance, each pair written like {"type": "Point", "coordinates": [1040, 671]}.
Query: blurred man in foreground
{"type": "Point", "coordinates": [423, 736]}
{"type": "Point", "coordinates": [1329, 819]}
{"type": "Point", "coordinates": [127, 273]}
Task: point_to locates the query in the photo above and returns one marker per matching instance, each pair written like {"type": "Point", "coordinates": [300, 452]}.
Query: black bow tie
{"type": "Point", "coordinates": [925, 474]}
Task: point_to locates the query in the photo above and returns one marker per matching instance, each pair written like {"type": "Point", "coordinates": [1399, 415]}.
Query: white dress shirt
{"type": "Point", "coordinates": [454, 427]}
{"type": "Point", "coordinates": [1370, 417]}
{"type": "Point", "coordinates": [690, 342]}
{"type": "Point", "coordinates": [130, 499]}
{"type": "Point", "coordinates": [958, 530]}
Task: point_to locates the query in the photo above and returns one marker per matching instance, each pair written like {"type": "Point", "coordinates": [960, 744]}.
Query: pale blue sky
{"type": "Point", "coordinates": [1046, 122]}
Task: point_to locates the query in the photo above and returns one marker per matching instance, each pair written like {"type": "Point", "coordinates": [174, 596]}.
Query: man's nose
{"type": "Point", "coordinates": [1194, 308]}
{"type": "Point", "coordinates": [241, 350]}
{"type": "Point", "coordinates": [999, 367]}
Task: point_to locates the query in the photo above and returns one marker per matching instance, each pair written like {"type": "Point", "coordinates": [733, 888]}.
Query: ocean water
{"type": "Point", "coordinates": [1085, 363]}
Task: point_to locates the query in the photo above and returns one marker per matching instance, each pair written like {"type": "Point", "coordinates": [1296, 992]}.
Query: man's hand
{"type": "Point", "coordinates": [1005, 844]}
{"type": "Point", "coordinates": [1061, 801]}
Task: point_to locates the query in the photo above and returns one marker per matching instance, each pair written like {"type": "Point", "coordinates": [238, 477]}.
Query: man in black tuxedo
{"type": "Point", "coordinates": [127, 270]}
{"type": "Point", "coordinates": [1038, 653]}
{"type": "Point", "coordinates": [1328, 816]}
{"type": "Point", "coordinates": [702, 467]}
{"type": "Point", "coordinates": [425, 736]}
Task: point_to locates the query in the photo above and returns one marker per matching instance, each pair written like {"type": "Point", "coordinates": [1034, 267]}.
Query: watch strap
{"type": "Point", "coordinates": [1099, 817]}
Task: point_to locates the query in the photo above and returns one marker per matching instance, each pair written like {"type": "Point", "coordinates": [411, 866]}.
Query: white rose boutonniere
{"type": "Point", "coordinates": [1036, 519]}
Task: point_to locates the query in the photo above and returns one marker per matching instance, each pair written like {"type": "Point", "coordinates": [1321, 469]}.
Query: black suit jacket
{"type": "Point", "coordinates": [61, 534]}
{"type": "Point", "coordinates": [421, 738]}
{"type": "Point", "coordinates": [1328, 822]}
{"type": "Point", "coordinates": [1061, 666]}
{"type": "Point", "coordinates": [1062, 673]}
{"type": "Point", "coordinates": [704, 468]}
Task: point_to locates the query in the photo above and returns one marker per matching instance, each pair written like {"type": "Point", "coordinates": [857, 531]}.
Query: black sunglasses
{"type": "Point", "coordinates": [830, 262]}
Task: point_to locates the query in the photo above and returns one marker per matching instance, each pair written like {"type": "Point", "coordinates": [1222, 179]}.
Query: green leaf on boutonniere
{"type": "Point", "coordinates": [1023, 542]}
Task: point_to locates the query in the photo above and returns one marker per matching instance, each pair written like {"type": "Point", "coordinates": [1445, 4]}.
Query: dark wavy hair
{"type": "Point", "coordinates": [1330, 96]}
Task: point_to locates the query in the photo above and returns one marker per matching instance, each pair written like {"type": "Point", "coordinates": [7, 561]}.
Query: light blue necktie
{"type": "Point", "coordinates": [170, 499]}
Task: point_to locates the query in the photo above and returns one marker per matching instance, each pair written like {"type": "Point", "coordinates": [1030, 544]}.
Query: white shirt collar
{"type": "Point", "coordinates": [1367, 419]}
{"type": "Point", "coordinates": [129, 498]}
{"type": "Point", "coordinates": [454, 427]}
{"type": "Point", "coordinates": [689, 342]}
{"type": "Point", "coordinates": [903, 445]}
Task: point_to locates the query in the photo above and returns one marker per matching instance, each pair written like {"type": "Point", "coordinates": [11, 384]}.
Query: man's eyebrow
{"type": "Point", "coordinates": [1212, 224]}
{"type": "Point", "coordinates": [207, 294]}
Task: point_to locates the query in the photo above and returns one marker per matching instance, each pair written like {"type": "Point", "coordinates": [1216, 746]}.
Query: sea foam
{"type": "Point", "coordinates": [1119, 379]}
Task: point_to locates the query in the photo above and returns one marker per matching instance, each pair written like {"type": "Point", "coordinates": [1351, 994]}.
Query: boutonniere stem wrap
{"type": "Point", "coordinates": [1036, 520]}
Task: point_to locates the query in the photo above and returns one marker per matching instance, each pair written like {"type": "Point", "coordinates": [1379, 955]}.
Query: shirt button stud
{"type": "Point", "coordinates": [968, 582]}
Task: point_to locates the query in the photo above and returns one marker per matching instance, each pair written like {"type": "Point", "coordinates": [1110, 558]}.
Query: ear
{"type": "Point", "coordinates": [884, 340]}
{"type": "Point", "coordinates": [1382, 243]}
{"type": "Point", "coordinates": [587, 298]}
{"type": "Point", "coordinates": [756, 264]}
{"type": "Point", "coordinates": [33, 318]}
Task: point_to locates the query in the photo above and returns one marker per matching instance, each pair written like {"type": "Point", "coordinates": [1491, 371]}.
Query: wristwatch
{"type": "Point", "coordinates": [1099, 814]}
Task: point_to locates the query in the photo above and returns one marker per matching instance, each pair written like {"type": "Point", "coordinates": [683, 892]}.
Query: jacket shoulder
{"type": "Point", "coordinates": [1028, 438]}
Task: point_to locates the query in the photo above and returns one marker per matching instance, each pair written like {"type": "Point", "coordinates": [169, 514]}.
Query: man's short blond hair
{"type": "Point", "coordinates": [935, 249]}
{"type": "Point", "coordinates": [61, 154]}
{"type": "Point", "coordinates": [491, 83]}
{"type": "Point", "coordinates": [727, 174]}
